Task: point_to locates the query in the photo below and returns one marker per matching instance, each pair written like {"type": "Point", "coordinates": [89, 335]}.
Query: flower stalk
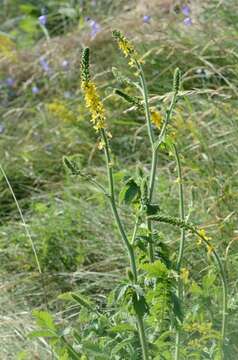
{"type": "Point", "coordinates": [99, 121]}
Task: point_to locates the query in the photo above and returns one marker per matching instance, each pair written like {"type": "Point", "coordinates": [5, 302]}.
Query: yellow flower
{"type": "Point", "coordinates": [127, 48]}
{"type": "Point", "coordinates": [94, 104]}
{"type": "Point", "coordinates": [210, 249]}
{"type": "Point", "coordinates": [184, 275]}
{"type": "Point", "coordinates": [203, 234]}
{"type": "Point", "coordinates": [60, 110]}
{"type": "Point", "coordinates": [156, 118]}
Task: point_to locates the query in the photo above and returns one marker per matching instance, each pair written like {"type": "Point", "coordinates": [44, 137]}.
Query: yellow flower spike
{"type": "Point", "coordinates": [127, 48]}
{"type": "Point", "coordinates": [156, 118]}
{"type": "Point", "coordinates": [91, 96]}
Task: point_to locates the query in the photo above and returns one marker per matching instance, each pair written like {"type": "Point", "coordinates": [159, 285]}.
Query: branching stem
{"type": "Point", "coordinates": [128, 245]}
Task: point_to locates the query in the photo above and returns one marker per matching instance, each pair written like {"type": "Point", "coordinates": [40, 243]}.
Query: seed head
{"type": "Point", "coordinates": [85, 65]}
{"type": "Point", "coordinates": [177, 80]}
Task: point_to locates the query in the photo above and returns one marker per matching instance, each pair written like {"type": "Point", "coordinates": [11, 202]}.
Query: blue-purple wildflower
{"type": "Point", "coordinates": [95, 27]}
{"type": "Point", "coordinates": [42, 20]}
{"type": "Point", "coordinates": [187, 21]}
{"type": "Point", "coordinates": [35, 90]}
{"type": "Point", "coordinates": [44, 64]}
{"type": "Point", "coordinates": [146, 19]}
{"type": "Point", "coordinates": [186, 10]}
{"type": "Point", "coordinates": [10, 82]}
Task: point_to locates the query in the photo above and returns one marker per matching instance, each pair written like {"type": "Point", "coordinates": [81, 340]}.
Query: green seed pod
{"type": "Point", "coordinates": [85, 65]}
{"type": "Point", "coordinates": [130, 99]}
{"type": "Point", "coordinates": [177, 80]}
{"type": "Point", "coordinates": [71, 165]}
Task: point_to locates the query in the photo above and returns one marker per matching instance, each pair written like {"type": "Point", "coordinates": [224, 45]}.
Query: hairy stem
{"type": "Point", "coordinates": [144, 91]}
{"type": "Point", "coordinates": [181, 247]}
{"type": "Point", "coordinates": [128, 245]}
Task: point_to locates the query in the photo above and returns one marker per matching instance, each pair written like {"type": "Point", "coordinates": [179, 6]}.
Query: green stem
{"type": "Point", "coordinates": [143, 340]}
{"type": "Point", "coordinates": [128, 245]}
{"type": "Point", "coordinates": [135, 230]}
{"type": "Point", "coordinates": [181, 208]}
{"type": "Point", "coordinates": [181, 247]}
{"type": "Point", "coordinates": [144, 91]}
{"type": "Point", "coordinates": [146, 104]}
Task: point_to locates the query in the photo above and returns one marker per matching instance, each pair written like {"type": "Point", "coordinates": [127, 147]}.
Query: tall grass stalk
{"type": "Point", "coordinates": [28, 235]}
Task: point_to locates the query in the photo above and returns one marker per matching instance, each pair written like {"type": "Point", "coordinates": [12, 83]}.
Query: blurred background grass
{"type": "Point", "coordinates": [42, 118]}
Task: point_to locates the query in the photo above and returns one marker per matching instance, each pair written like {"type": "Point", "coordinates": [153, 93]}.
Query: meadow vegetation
{"type": "Point", "coordinates": [67, 291]}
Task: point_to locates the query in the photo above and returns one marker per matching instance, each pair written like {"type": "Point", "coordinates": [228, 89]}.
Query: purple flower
{"type": "Point", "coordinates": [65, 64]}
{"type": "Point", "coordinates": [186, 10]}
{"type": "Point", "coordinates": [146, 19]}
{"type": "Point", "coordinates": [10, 82]}
{"type": "Point", "coordinates": [187, 21]}
{"type": "Point", "coordinates": [35, 90]}
{"type": "Point", "coordinates": [95, 28]}
{"type": "Point", "coordinates": [2, 128]}
{"type": "Point", "coordinates": [42, 20]}
{"type": "Point", "coordinates": [44, 64]}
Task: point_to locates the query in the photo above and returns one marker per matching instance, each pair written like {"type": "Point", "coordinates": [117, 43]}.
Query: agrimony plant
{"type": "Point", "coordinates": [148, 304]}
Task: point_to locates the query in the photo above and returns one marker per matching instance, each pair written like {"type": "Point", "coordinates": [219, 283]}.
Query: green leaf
{"type": "Point", "coordinates": [129, 192]}
{"type": "Point", "coordinates": [152, 209]}
{"type": "Point", "coordinates": [208, 280]}
{"type": "Point", "coordinates": [177, 307]}
{"type": "Point", "coordinates": [44, 320]}
{"type": "Point", "coordinates": [68, 11]}
{"type": "Point", "coordinates": [156, 269]}
{"type": "Point", "coordinates": [29, 25]}
{"type": "Point", "coordinates": [82, 301]}
{"type": "Point", "coordinates": [95, 350]}
{"type": "Point", "coordinates": [122, 327]}
{"type": "Point", "coordinates": [43, 333]}
{"type": "Point", "coordinates": [120, 346]}
{"type": "Point", "coordinates": [139, 304]}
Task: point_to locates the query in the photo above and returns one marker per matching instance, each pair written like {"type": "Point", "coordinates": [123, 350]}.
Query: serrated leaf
{"type": "Point", "coordinates": [140, 305]}
{"type": "Point", "coordinates": [44, 320]}
{"type": "Point", "coordinates": [152, 209]}
{"type": "Point", "coordinates": [156, 269]}
{"type": "Point", "coordinates": [82, 301]}
{"type": "Point", "coordinates": [129, 192]}
{"type": "Point", "coordinates": [95, 350]}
